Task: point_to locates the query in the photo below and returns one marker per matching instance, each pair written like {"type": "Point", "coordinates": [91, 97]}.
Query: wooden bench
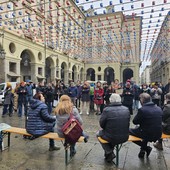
{"type": "Point", "coordinates": [131, 139]}
{"type": "Point", "coordinates": [51, 135]}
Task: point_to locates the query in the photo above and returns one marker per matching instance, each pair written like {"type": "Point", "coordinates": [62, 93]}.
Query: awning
{"type": "Point", "coordinates": [10, 74]}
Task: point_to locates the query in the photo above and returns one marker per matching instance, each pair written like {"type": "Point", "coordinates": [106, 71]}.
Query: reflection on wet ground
{"type": "Point", "coordinates": [34, 155]}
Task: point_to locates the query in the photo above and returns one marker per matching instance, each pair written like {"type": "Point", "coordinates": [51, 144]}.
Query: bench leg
{"type": "Point", "coordinates": [117, 155]}
{"type": "Point", "coordinates": [9, 135]}
{"type": "Point", "coordinates": [66, 156]}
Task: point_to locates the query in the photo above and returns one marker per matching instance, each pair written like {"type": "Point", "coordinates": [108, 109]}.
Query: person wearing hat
{"type": "Point", "coordinates": [8, 100]}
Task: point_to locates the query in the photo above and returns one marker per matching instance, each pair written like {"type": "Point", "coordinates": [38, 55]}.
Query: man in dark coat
{"type": "Point", "coordinates": [127, 96]}
{"type": "Point", "coordinates": [167, 87]}
{"type": "Point", "coordinates": [39, 121]}
{"type": "Point", "coordinates": [149, 119]}
{"type": "Point", "coordinates": [165, 122]}
{"type": "Point", "coordinates": [114, 122]}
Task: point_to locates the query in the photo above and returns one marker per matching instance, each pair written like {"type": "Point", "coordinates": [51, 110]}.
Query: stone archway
{"type": "Point", "coordinates": [127, 74]}
{"type": "Point", "coordinates": [26, 70]}
{"type": "Point", "coordinates": [74, 73]}
{"type": "Point", "coordinates": [109, 75]}
{"type": "Point", "coordinates": [81, 77]}
{"type": "Point", "coordinates": [90, 74]}
{"type": "Point", "coordinates": [64, 72]}
{"type": "Point", "coordinates": [49, 66]}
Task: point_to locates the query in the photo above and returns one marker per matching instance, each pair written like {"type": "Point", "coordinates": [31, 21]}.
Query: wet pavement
{"type": "Point", "coordinates": [34, 155]}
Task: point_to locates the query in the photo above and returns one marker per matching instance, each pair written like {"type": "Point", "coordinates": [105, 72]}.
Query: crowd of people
{"type": "Point", "coordinates": [113, 102]}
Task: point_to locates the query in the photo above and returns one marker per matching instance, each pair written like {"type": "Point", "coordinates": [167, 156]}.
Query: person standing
{"type": "Point", "coordinates": [8, 101]}
{"type": "Point", "coordinates": [167, 87]}
{"type": "Point", "coordinates": [149, 124]}
{"type": "Point", "coordinates": [114, 122]}
{"type": "Point", "coordinates": [22, 99]}
{"type": "Point", "coordinates": [127, 96]}
{"type": "Point", "coordinates": [72, 92]}
{"type": "Point", "coordinates": [85, 98]}
{"type": "Point", "coordinates": [98, 97]}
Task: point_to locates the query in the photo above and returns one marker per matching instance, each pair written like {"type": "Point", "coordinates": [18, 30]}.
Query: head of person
{"type": "Point", "coordinates": [169, 81]}
{"type": "Point", "coordinates": [86, 84]}
{"type": "Point", "coordinates": [22, 83]}
{"type": "Point", "coordinates": [144, 98]}
{"type": "Point", "coordinates": [99, 84]}
{"type": "Point", "coordinates": [127, 85]}
{"type": "Point", "coordinates": [39, 96]}
{"type": "Point", "coordinates": [64, 106]}
{"type": "Point", "coordinates": [167, 97]}
{"type": "Point", "coordinates": [72, 84]}
{"type": "Point", "coordinates": [115, 98]}
{"type": "Point", "coordinates": [78, 82]}
{"type": "Point", "coordinates": [116, 81]}
{"type": "Point", "coordinates": [9, 85]}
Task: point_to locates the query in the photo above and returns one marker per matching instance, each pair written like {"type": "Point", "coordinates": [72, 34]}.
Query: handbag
{"type": "Point", "coordinates": [72, 130]}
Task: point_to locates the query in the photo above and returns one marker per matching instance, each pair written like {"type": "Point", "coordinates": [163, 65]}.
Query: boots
{"type": "Point", "coordinates": [54, 148]}
{"type": "Point", "coordinates": [158, 145]}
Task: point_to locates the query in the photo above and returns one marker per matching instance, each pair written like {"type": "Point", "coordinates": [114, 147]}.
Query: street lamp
{"type": "Point", "coordinates": [2, 54]}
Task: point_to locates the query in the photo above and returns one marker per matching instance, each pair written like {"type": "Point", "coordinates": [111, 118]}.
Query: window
{"type": "Point", "coordinates": [39, 70]}
{"type": "Point", "coordinates": [12, 67]}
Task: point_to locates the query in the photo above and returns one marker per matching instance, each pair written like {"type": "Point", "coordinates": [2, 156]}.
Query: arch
{"type": "Point", "coordinates": [127, 74]}
{"type": "Point", "coordinates": [63, 72]}
{"type": "Point", "coordinates": [49, 64]}
{"type": "Point", "coordinates": [81, 74]}
{"type": "Point", "coordinates": [109, 75]}
{"type": "Point", "coordinates": [90, 74]}
{"type": "Point", "coordinates": [27, 58]}
{"type": "Point", "coordinates": [74, 72]}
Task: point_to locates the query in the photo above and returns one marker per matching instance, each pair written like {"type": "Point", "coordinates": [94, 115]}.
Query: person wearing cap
{"type": "Point", "coordinates": [22, 98]}
{"type": "Point", "coordinates": [114, 121]}
{"type": "Point", "coordinates": [8, 100]}
{"type": "Point", "coordinates": [127, 97]}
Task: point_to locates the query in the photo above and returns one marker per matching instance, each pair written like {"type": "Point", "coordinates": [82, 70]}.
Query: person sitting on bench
{"type": "Point", "coordinates": [39, 122]}
{"type": "Point", "coordinates": [165, 122]}
{"type": "Point", "coordinates": [114, 122]}
{"type": "Point", "coordinates": [149, 121]}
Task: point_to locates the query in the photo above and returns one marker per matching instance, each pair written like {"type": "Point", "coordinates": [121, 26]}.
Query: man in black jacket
{"type": "Point", "coordinates": [149, 121]}
{"type": "Point", "coordinates": [114, 122]}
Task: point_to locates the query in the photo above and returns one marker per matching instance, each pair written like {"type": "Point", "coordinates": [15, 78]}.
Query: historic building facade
{"type": "Point", "coordinates": [160, 55]}
{"type": "Point", "coordinates": [31, 53]}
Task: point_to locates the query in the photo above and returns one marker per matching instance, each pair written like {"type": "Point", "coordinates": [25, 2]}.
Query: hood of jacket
{"type": "Point", "coordinates": [35, 103]}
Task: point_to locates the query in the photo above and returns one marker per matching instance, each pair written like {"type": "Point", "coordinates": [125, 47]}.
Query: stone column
{"type": "Point", "coordinates": [66, 76]}
{"type": "Point", "coordinates": [75, 76]}
{"type": "Point", "coordinates": [2, 71]}
{"type": "Point", "coordinates": [53, 73]}
{"type": "Point", "coordinates": [34, 72]}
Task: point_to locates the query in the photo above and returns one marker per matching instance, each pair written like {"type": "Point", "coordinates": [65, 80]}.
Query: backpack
{"type": "Point", "coordinates": [72, 130]}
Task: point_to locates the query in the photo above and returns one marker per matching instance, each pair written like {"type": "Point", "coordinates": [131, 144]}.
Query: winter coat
{"type": "Point", "coordinates": [39, 122]}
{"type": "Point", "coordinates": [72, 91]}
{"type": "Point", "coordinates": [8, 97]}
{"type": "Point", "coordinates": [166, 118]}
{"type": "Point", "coordinates": [22, 94]}
{"type": "Point", "coordinates": [167, 88]}
{"type": "Point", "coordinates": [149, 119]}
{"type": "Point", "coordinates": [98, 96]}
{"type": "Point", "coordinates": [85, 94]}
{"type": "Point", "coordinates": [78, 91]}
{"type": "Point", "coordinates": [49, 94]}
{"type": "Point", "coordinates": [127, 96]}
{"type": "Point", "coordinates": [156, 93]}
{"type": "Point", "coordinates": [62, 119]}
{"type": "Point", "coordinates": [115, 121]}
{"type": "Point", "coordinates": [136, 91]}
{"type": "Point", "coordinates": [29, 90]}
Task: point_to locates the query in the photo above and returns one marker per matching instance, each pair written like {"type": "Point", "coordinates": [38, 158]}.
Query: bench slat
{"type": "Point", "coordinates": [50, 135]}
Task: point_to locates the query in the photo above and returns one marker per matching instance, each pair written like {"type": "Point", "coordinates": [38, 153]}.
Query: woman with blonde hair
{"type": "Point", "coordinates": [63, 110]}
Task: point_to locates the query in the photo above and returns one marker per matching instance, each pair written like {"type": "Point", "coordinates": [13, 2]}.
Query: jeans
{"type": "Point", "coordinates": [135, 104]}
{"type": "Point", "coordinates": [20, 108]}
{"type": "Point", "coordinates": [5, 109]}
{"type": "Point", "coordinates": [49, 105]}
{"type": "Point", "coordinates": [29, 98]}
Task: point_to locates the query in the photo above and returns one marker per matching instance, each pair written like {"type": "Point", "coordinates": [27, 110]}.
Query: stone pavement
{"type": "Point", "coordinates": [34, 155]}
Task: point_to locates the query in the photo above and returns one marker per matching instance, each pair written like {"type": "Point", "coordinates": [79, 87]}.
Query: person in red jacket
{"type": "Point", "coordinates": [98, 96]}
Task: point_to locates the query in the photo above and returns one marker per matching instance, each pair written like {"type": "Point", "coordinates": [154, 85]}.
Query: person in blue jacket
{"type": "Point", "coordinates": [39, 121]}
